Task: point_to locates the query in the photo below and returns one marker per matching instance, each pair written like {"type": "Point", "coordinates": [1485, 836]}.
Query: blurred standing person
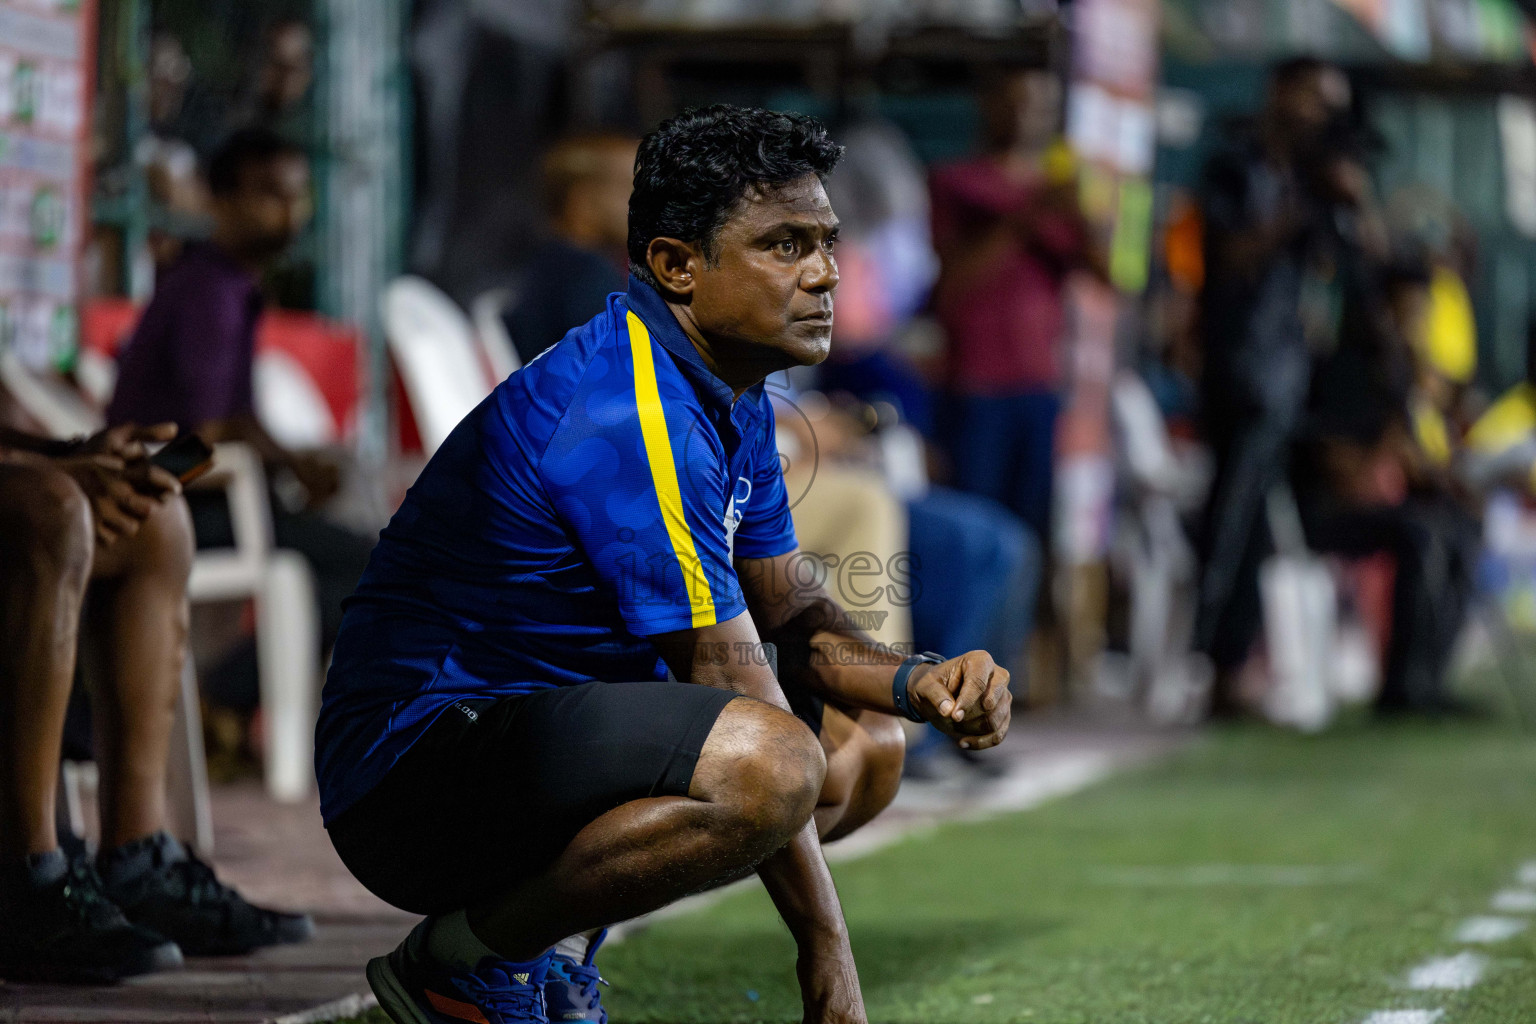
{"type": "Point", "coordinates": [177, 192]}
{"type": "Point", "coordinates": [886, 257]}
{"type": "Point", "coordinates": [279, 100]}
{"type": "Point", "coordinates": [582, 261]}
{"type": "Point", "coordinates": [1008, 230]}
{"type": "Point", "coordinates": [284, 74]}
{"type": "Point", "coordinates": [191, 358]}
{"type": "Point", "coordinates": [1274, 206]}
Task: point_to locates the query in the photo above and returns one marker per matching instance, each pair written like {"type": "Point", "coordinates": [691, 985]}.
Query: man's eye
{"type": "Point", "coordinates": [785, 248]}
{"type": "Point", "coordinates": [831, 244]}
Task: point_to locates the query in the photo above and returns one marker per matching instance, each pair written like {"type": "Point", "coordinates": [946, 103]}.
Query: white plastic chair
{"type": "Point", "coordinates": [287, 625]}
{"type": "Point", "coordinates": [1160, 563]}
{"type": "Point", "coordinates": [434, 347]}
{"type": "Point", "coordinates": [291, 405]}
{"type": "Point", "coordinates": [491, 331]}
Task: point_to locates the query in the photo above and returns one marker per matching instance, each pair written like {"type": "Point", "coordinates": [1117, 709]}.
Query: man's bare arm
{"type": "Point", "coordinates": [796, 877]}
{"type": "Point", "coordinates": [819, 649]}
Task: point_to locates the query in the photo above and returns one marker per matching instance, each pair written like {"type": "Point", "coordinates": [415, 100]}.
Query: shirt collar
{"type": "Point", "coordinates": [646, 303]}
{"type": "Point", "coordinates": [209, 258]}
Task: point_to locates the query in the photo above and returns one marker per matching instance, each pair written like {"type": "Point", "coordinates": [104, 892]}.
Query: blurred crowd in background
{"type": "Point", "coordinates": [1180, 354]}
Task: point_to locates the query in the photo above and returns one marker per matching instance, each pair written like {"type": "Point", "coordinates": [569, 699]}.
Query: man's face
{"type": "Point", "coordinates": [169, 69]}
{"type": "Point", "coordinates": [605, 195]}
{"type": "Point", "coordinates": [771, 285]}
{"type": "Point", "coordinates": [271, 206]}
{"type": "Point", "coordinates": [1025, 108]}
{"type": "Point", "coordinates": [288, 67]}
{"type": "Point", "coordinates": [1308, 102]}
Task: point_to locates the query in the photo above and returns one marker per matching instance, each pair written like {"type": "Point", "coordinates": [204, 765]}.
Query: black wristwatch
{"type": "Point", "coordinates": [899, 696]}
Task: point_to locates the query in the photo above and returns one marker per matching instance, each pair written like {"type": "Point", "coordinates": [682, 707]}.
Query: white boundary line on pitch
{"type": "Point", "coordinates": [1465, 969]}
{"type": "Point", "coordinates": [347, 1006]}
{"type": "Point", "coordinates": [1461, 971]}
{"type": "Point", "coordinates": [1404, 1017]}
{"type": "Point", "coordinates": [1489, 929]}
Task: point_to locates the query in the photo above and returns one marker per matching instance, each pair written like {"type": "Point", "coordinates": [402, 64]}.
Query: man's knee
{"type": "Point", "coordinates": [165, 544]}
{"type": "Point", "coordinates": [870, 775]}
{"type": "Point", "coordinates": [764, 765]}
{"type": "Point", "coordinates": [47, 520]}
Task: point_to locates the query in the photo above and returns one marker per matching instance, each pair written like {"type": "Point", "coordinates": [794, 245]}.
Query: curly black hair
{"type": "Point", "coordinates": [246, 147]}
{"type": "Point", "coordinates": [693, 170]}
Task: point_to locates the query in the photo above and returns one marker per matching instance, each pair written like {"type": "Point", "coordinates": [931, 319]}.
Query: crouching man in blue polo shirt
{"type": "Point", "coordinates": [499, 748]}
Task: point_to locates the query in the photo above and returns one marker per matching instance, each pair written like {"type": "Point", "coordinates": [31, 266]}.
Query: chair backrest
{"type": "Point", "coordinates": [434, 349]}
{"type": "Point", "coordinates": [290, 404]}
{"type": "Point", "coordinates": [491, 330]}
{"type": "Point", "coordinates": [58, 408]}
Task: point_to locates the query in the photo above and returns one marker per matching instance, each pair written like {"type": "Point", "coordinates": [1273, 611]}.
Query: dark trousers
{"type": "Point", "coordinates": [1251, 452]}
{"type": "Point", "coordinates": [1435, 544]}
{"type": "Point", "coordinates": [1004, 448]}
{"type": "Point", "coordinates": [979, 570]}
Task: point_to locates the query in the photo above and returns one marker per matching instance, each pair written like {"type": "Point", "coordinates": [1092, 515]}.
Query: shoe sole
{"type": "Point", "coordinates": [290, 934]}
{"type": "Point", "coordinates": [393, 998]}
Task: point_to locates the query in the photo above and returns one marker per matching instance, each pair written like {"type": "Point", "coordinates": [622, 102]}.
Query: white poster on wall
{"type": "Point", "coordinates": [1517, 137]}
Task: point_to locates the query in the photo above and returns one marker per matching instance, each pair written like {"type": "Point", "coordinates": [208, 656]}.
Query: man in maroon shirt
{"type": "Point", "coordinates": [190, 358]}
{"type": "Point", "coordinates": [1007, 232]}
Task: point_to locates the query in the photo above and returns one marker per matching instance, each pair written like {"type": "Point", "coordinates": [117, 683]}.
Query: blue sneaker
{"type": "Point", "coordinates": [413, 988]}
{"type": "Point", "coordinates": [570, 988]}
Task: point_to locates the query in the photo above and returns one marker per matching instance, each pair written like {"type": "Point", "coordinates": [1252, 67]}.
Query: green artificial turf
{"type": "Point", "coordinates": [1257, 876]}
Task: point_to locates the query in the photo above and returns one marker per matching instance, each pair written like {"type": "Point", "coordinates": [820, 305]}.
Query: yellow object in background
{"type": "Point", "coordinates": [1507, 422]}
{"type": "Point", "coordinates": [1061, 164]}
{"type": "Point", "coordinates": [1433, 436]}
{"type": "Point", "coordinates": [1451, 336]}
{"type": "Point", "coordinates": [1130, 248]}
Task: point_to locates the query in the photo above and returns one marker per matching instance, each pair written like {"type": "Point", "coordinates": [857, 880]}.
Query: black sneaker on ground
{"type": "Point", "coordinates": [161, 885]}
{"type": "Point", "coordinates": [65, 930]}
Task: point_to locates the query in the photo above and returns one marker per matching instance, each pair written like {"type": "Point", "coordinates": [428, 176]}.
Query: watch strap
{"type": "Point", "coordinates": [899, 683]}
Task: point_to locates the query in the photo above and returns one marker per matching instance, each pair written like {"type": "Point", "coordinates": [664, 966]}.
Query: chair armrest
{"type": "Point", "coordinates": [236, 572]}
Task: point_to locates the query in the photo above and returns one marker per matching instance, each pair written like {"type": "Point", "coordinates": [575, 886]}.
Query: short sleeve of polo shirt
{"type": "Point", "coordinates": [767, 529]}
{"type": "Point", "coordinates": [636, 476]}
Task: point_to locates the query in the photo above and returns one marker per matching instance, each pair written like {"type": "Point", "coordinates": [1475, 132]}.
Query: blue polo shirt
{"type": "Point", "coordinates": [595, 499]}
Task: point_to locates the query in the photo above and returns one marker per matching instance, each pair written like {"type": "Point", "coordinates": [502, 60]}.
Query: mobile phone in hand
{"type": "Point", "coordinates": [186, 458]}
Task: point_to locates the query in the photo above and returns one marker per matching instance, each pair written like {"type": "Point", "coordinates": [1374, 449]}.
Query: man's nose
{"type": "Point", "coordinates": [822, 275]}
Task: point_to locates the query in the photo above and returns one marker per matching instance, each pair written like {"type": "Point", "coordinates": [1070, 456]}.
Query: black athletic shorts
{"type": "Point", "coordinates": [497, 788]}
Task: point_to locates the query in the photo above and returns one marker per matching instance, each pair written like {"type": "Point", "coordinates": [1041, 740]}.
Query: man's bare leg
{"type": "Point", "coordinates": [56, 928]}
{"type": "Point", "coordinates": [755, 785]}
{"type": "Point", "coordinates": [136, 624]}
{"type": "Point", "coordinates": [46, 548]}
{"type": "Point", "coordinates": [865, 750]}
{"type": "Point", "coordinates": [136, 628]}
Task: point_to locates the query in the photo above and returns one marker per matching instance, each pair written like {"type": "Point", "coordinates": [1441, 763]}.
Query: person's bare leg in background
{"type": "Point", "coordinates": [46, 551]}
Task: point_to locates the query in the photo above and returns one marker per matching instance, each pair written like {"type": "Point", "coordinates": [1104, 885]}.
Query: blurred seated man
{"type": "Point", "coordinates": [190, 359]}
{"type": "Point", "coordinates": [97, 544]}
{"type": "Point", "coordinates": [944, 570]}
{"type": "Point", "coordinates": [571, 273]}
{"type": "Point", "coordinates": [1369, 483]}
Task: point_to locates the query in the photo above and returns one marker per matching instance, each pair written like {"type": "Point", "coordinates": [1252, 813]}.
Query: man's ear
{"type": "Point", "coordinates": [674, 263]}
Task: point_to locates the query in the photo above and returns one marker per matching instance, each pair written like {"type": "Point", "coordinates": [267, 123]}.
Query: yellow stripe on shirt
{"type": "Point", "coordinates": [658, 452]}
